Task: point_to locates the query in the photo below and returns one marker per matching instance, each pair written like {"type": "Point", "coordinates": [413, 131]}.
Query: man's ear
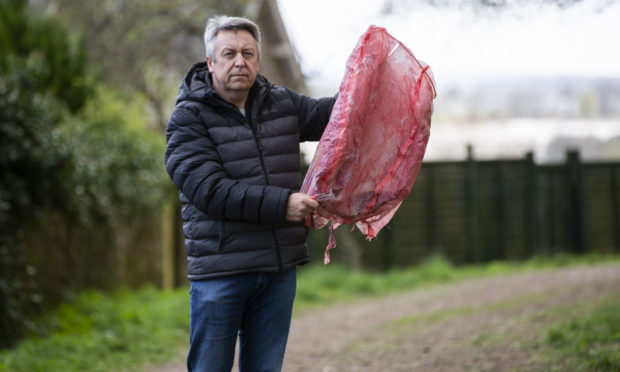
{"type": "Point", "coordinates": [210, 64]}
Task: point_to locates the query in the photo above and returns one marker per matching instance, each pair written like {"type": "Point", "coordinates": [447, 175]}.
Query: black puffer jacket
{"type": "Point", "coordinates": [235, 174]}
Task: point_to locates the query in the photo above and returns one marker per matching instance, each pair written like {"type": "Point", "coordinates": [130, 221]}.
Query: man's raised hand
{"type": "Point", "coordinates": [300, 206]}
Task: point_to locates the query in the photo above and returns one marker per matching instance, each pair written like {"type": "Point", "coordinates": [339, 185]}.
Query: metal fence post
{"type": "Point", "coordinates": [615, 205]}
{"type": "Point", "coordinates": [575, 202]}
{"type": "Point", "coordinates": [532, 225]}
{"type": "Point", "coordinates": [431, 216]}
{"type": "Point", "coordinates": [472, 206]}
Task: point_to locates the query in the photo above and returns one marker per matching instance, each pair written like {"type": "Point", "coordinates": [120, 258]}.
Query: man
{"type": "Point", "coordinates": [233, 152]}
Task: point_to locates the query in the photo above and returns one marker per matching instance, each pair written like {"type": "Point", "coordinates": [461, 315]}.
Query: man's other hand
{"type": "Point", "coordinates": [300, 206]}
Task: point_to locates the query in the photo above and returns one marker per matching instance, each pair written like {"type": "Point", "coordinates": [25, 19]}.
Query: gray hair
{"type": "Point", "coordinates": [225, 23]}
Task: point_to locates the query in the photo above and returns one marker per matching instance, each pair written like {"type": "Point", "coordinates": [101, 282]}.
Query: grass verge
{"type": "Point", "coordinates": [104, 332]}
{"type": "Point", "coordinates": [320, 285]}
{"type": "Point", "coordinates": [124, 329]}
{"type": "Point", "coordinates": [590, 342]}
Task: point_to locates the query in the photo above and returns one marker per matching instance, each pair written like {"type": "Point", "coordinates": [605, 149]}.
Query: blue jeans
{"type": "Point", "coordinates": [256, 306]}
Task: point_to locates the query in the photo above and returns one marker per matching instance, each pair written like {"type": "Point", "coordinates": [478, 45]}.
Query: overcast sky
{"type": "Point", "coordinates": [578, 41]}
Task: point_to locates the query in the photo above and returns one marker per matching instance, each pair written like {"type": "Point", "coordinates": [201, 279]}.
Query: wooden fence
{"type": "Point", "coordinates": [469, 211]}
{"type": "Point", "coordinates": [477, 211]}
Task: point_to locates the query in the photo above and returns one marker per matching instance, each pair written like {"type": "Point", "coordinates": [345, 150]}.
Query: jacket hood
{"type": "Point", "coordinates": [197, 86]}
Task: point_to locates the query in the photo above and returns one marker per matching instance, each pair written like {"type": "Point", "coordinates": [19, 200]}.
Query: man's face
{"type": "Point", "coordinates": [235, 63]}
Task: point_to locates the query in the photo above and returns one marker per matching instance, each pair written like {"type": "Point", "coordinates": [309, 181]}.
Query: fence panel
{"type": "Point", "coordinates": [478, 211]}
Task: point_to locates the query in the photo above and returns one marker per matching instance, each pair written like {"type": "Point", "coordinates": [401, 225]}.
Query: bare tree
{"type": "Point", "coordinates": [143, 45]}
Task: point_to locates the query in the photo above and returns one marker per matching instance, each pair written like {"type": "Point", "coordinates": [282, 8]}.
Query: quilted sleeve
{"type": "Point", "coordinates": [313, 115]}
{"type": "Point", "coordinates": [195, 167]}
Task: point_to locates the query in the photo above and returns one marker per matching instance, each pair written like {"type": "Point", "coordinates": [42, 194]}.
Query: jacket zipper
{"type": "Point", "coordinates": [253, 126]}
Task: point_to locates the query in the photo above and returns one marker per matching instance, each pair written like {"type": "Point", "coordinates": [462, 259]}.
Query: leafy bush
{"type": "Point", "coordinates": [53, 58]}
{"type": "Point", "coordinates": [33, 165]}
{"type": "Point", "coordinates": [67, 146]}
{"type": "Point", "coordinates": [117, 167]}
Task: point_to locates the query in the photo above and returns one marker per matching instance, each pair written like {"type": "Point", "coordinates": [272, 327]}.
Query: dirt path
{"type": "Point", "coordinates": [490, 324]}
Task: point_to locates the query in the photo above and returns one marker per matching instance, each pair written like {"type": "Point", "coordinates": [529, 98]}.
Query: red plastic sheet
{"type": "Point", "coordinates": [372, 149]}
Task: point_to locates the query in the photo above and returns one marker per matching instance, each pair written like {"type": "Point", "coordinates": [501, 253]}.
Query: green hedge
{"type": "Point", "coordinates": [73, 152]}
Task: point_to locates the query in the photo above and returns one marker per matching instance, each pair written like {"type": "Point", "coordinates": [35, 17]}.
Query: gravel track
{"type": "Point", "coordinates": [489, 324]}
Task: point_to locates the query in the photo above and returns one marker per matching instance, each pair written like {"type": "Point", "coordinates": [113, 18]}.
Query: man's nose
{"type": "Point", "coordinates": [239, 60]}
